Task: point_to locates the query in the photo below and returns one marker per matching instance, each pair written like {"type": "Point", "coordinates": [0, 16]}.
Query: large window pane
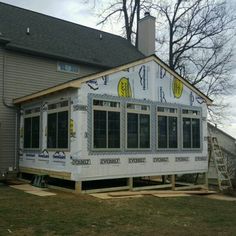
{"type": "Point", "coordinates": [144, 131]}
{"type": "Point", "coordinates": [173, 132]}
{"type": "Point", "coordinates": [27, 133]}
{"type": "Point", "coordinates": [62, 129]}
{"type": "Point", "coordinates": [162, 131]}
{"type": "Point", "coordinates": [132, 129]}
{"type": "Point", "coordinates": [35, 132]}
{"type": "Point", "coordinates": [113, 130]}
{"type": "Point", "coordinates": [100, 129]}
{"type": "Point", "coordinates": [186, 132]}
{"type": "Point", "coordinates": [196, 133]}
{"type": "Point", "coordinates": [52, 131]}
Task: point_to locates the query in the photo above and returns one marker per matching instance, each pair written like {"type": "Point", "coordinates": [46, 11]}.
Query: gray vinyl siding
{"type": "Point", "coordinates": [24, 74]}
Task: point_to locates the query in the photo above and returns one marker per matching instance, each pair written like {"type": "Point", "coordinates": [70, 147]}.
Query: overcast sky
{"type": "Point", "coordinates": [84, 14]}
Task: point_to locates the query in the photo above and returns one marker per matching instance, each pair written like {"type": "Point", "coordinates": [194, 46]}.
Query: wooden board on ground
{"type": "Point", "coordinates": [171, 195]}
{"type": "Point", "coordinates": [150, 192]}
{"type": "Point", "coordinates": [107, 196]}
{"type": "Point", "coordinates": [41, 193]}
{"type": "Point", "coordinates": [26, 187]}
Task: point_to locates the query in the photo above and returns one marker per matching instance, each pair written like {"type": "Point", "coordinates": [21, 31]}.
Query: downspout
{"type": "Point", "coordinates": [10, 107]}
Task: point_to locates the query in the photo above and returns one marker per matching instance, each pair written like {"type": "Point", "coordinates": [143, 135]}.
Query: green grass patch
{"type": "Point", "coordinates": [69, 214]}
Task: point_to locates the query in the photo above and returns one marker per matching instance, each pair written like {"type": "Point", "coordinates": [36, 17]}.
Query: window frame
{"type": "Point", "coordinates": [67, 63]}
{"type": "Point", "coordinates": [167, 114]}
{"type": "Point", "coordinates": [106, 109]}
{"type": "Point", "coordinates": [31, 115]}
{"type": "Point", "coordinates": [135, 111]}
{"type": "Point", "coordinates": [191, 116]}
{"type": "Point", "coordinates": [57, 110]}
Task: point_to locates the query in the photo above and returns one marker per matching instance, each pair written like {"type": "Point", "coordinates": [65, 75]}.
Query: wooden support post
{"type": "Point", "coordinates": [78, 187]}
{"type": "Point", "coordinates": [20, 175]}
{"type": "Point", "coordinates": [130, 183]}
{"type": "Point", "coordinates": [173, 182]}
{"type": "Point", "coordinates": [206, 180]}
{"type": "Point", "coordinates": [163, 177]}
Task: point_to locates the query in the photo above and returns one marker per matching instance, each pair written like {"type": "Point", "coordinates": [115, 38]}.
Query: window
{"type": "Point", "coordinates": [67, 67]}
{"type": "Point", "coordinates": [31, 128]}
{"type": "Point", "coordinates": [167, 127]}
{"type": "Point", "coordinates": [57, 125]}
{"type": "Point", "coordinates": [191, 129]}
{"type": "Point", "coordinates": [138, 126]}
{"type": "Point", "coordinates": [106, 124]}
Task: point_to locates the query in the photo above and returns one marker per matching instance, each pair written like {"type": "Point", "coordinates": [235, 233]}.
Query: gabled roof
{"type": "Point", "coordinates": [213, 127]}
{"type": "Point", "coordinates": [56, 38]}
{"type": "Point", "coordinates": [76, 83]}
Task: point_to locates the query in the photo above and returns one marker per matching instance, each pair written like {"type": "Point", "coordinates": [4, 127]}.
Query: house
{"type": "Point", "coordinates": [87, 105]}
{"type": "Point", "coordinates": [38, 51]}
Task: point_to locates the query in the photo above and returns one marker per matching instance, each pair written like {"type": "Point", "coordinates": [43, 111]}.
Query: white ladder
{"type": "Point", "coordinates": [216, 155]}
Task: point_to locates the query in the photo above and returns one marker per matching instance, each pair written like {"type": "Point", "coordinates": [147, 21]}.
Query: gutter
{"type": "Point", "coordinates": [10, 107]}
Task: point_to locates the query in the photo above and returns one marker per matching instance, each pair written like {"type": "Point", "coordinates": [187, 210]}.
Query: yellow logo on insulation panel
{"type": "Point", "coordinates": [124, 88]}
{"type": "Point", "coordinates": [177, 87]}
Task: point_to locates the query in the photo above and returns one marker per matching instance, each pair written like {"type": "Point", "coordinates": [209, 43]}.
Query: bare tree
{"type": "Point", "coordinates": [199, 44]}
{"type": "Point", "coordinates": [128, 12]}
{"type": "Point", "coordinates": [193, 36]}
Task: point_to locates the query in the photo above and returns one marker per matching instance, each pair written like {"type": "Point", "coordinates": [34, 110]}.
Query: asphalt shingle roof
{"type": "Point", "coordinates": [61, 39]}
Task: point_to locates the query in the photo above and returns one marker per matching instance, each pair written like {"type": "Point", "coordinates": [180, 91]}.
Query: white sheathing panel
{"type": "Point", "coordinates": [148, 83]}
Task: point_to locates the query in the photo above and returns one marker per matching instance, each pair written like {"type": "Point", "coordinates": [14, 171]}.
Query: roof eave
{"type": "Point", "coordinates": [14, 47]}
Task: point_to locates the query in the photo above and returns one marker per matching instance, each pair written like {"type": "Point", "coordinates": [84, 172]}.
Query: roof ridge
{"type": "Point", "coordinates": [59, 19]}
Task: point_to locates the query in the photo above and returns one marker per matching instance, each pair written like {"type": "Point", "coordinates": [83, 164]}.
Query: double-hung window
{"type": "Point", "coordinates": [138, 126]}
{"type": "Point", "coordinates": [31, 128]}
{"type": "Point", "coordinates": [106, 124]}
{"type": "Point", "coordinates": [58, 125]}
{"type": "Point", "coordinates": [191, 128]}
{"type": "Point", "coordinates": [167, 119]}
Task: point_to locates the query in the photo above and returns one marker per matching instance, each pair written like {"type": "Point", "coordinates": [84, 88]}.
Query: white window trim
{"type": "Point", "coordinates": [145, 112]}
{"type": "Point", "coordinates": [191, 116]}
{"type": "Point", "coordinates": [106, 109]}
{"type": "Point", "coordinates": [40, 128]}
{"type": "Point", "coordinates": [57, 110]}
{"type": "Point", "coordinates": [167, 114]}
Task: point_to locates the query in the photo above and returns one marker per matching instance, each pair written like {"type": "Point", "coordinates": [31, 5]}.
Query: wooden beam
{"type": "Point", "coordinates": [173, 182]}
{"type": "Point", "coordinates": [152, 187]}
{"type": "Point", "coordinates": [130, 183]}
{"type": "Point", "coordinates": [53, 174]}
{"type": "Point", "coordinates": [103, 190]}
{"type": "Point", "coordinates": [191, 186]}
{"type": "Point", "coordinates": [78, 187]}
{"type": "Point", "coordinates": [206, 180]}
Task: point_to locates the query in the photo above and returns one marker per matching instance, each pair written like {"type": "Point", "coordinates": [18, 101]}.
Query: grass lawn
{"type": "Point", "coordinates": [69, 214]}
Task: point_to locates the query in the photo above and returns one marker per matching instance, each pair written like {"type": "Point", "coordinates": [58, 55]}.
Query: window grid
{"type": "Point", "coordinates": [140, 110]}
{"type": "Point", "coordinates": [110, 108]}
{"type": "Point", "coordinates": [168, 113]}
{"type": "Point", "coordinates": [193, 117]}
{"type": "Point", "coordinates": [58, 109]}
{"type": "Point", "coordinates": [32, 115]}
